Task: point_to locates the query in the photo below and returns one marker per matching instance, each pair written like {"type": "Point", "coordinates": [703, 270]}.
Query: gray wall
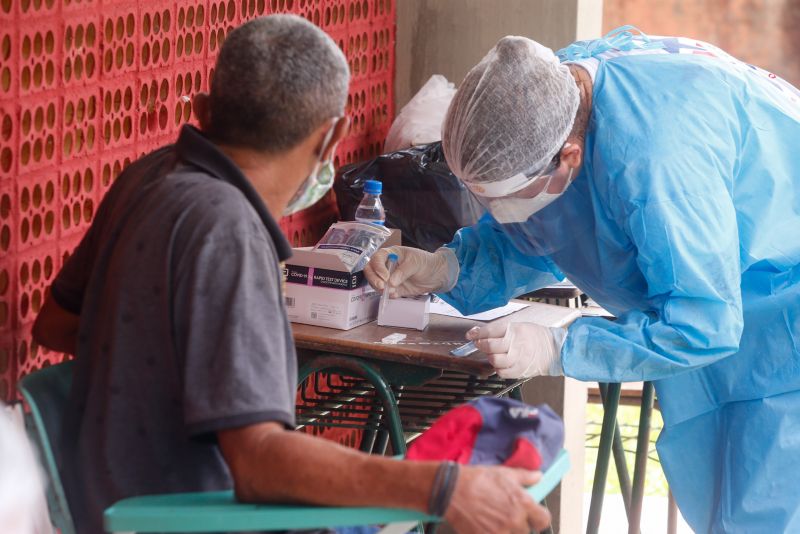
{"type": "Point", "coordinates": [450, 36]}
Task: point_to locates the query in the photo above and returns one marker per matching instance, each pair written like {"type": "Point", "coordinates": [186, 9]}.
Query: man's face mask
{"type": "Point", "coordinates": [318, 183]}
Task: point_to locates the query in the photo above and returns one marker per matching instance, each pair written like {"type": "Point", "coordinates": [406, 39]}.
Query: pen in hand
{"type": "Point", "coordinates": [391, 262]}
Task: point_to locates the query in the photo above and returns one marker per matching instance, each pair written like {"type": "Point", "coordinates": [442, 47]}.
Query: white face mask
{"type": "Point", "coordinates": [517, 210]}
{"type": "Point", "coordinates": [318, 183]}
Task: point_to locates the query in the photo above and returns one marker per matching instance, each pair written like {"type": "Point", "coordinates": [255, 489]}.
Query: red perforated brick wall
{"type": "Point", "coordinates": [86, 86]}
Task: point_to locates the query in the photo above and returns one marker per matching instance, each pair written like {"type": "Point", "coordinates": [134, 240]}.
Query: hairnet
{"type": "Point", "coordinates": [511, 114]}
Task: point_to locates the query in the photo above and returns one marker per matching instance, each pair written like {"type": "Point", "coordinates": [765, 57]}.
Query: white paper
{"type": "Point", "coordinates": [440, 307]}
{"type": "Point", "coordinates": [393, 339]}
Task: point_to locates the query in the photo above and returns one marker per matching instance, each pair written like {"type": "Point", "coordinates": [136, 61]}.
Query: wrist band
{"type": "Point", "coordinates": [444, 484]}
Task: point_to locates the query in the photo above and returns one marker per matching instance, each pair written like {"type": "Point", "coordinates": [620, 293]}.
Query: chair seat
{"type": "Point", "coordinates": [219, 511]}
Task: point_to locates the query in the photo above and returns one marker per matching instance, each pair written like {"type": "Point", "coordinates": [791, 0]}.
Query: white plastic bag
{"type": "Point", "coordinates": [420, 121]}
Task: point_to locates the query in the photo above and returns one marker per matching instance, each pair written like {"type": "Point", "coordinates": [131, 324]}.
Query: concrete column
{"type": "Point", "coordinates": [568, 398]}
{"type": "Point", "coordinates": [450, 36]}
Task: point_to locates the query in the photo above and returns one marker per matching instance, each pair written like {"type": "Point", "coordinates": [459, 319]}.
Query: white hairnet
{"type": "Point", "coordinates": [511, 114]}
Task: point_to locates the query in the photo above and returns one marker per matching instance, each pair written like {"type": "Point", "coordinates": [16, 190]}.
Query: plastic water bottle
{"type": "Point", "coordinates": [370, 210]}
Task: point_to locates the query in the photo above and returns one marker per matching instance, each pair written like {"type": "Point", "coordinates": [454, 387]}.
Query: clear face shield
{"type": "Point", "coordinates": [516, 199]}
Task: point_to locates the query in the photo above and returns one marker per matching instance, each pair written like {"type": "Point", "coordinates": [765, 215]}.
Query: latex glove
{"type": "Point", "coordinates": [521, 350]}
{"type": "Point", "coordinates": [417, 271]}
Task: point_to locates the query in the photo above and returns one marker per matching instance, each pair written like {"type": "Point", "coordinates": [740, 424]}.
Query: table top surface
{"type": "Point", "coordinates": [430, 347]}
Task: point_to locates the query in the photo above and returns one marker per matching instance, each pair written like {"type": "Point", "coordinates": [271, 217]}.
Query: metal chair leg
{"type": "Point", "coordinates": [672, 515]}
{"type": "Point", "coordinates": [640, 463]}
{"type": "Point", "coordinates": [603, 458]}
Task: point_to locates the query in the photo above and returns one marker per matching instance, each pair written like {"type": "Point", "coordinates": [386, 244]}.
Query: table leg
{"type": "Point", "coordinates": [603, 458]}
{"type": "Point", "coordinates": [621, 464]}
{"type": "Point", "coordinates": [640, 465]}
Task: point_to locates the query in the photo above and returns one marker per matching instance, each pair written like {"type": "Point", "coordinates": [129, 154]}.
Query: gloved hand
{"type": "Point", "coordinates": [417, 271]}
{"type": "Point", "coordinates": [521, 350]}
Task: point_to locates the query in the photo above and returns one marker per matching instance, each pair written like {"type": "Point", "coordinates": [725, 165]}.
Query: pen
{"type": "Point", "coordinates": [391, 261]}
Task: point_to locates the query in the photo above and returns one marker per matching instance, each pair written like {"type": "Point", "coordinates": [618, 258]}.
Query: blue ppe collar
{"type": "Point", "coordinates": [621, 39]}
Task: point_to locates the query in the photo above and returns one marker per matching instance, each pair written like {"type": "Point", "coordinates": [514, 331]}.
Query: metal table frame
{"type": "Point", "coordinates": [611, 444]}
{"type": "Point", "coordinates": [390, 401]}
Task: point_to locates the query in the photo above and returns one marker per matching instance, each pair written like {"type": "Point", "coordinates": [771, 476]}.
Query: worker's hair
{"type": "Point", "coordinates": [277, 79]}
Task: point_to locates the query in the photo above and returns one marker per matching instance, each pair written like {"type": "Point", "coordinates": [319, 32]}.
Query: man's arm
{"type": "Point", "coordinates": [493, 270]}
{"type": "Point", "coordinates": [270, 464]}
{"type": "Point", "coordinates": [56, 328]}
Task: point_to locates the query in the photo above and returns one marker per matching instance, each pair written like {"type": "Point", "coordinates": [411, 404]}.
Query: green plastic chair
{"type": "Point", "coordinates": [46, 393]}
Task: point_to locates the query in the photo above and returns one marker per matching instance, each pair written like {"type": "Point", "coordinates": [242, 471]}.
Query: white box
{"type": "Point", "coordinates": [335, 308]}
{"type": "Point", "coordinates": [407, 312]}
{"type": "Point", "coordinates": [320, 291]}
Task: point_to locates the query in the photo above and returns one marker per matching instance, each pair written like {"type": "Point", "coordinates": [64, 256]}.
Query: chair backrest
{"type": "Point", "coordinates": [47, 393]}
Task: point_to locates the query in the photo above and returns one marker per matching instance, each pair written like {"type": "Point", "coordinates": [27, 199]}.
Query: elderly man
{"type": "Point", "coordinates": [662, 177]}
{"type": "Point", "coordinates": [185, 365]}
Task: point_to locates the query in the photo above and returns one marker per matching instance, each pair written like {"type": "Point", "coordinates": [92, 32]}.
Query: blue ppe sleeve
{"type": "Point", "coordinates": [687, 248]}
{"type": "Point", "coordinates": [492, 270]}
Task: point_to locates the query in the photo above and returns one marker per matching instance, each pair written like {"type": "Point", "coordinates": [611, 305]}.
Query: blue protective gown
{"type": "Point", "coordinates": [685, 223]}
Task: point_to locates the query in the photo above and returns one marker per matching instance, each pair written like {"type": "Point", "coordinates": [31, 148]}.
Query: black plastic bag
{"type": "Point", "coordinates": [421, 196]}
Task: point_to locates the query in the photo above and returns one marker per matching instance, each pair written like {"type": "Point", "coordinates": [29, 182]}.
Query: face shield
{"type": "Point", "coordinates": [515, 199]}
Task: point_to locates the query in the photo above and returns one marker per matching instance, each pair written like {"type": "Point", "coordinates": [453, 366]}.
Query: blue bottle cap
{"type": "Point", "coordinates": [393, 257]}
{"type": "Point", "coordinates": [373, 187]}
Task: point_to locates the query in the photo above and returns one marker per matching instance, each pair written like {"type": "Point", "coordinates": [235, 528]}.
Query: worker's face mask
{"type": "Point", "coordinates": [318, 183]}
{"type": "Point", "coordinates": [517, 209]}
{"type": "Point", "coordinates": [515, 199]}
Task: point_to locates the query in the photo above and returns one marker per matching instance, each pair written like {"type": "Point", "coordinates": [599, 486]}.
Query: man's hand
{"type": "Point", "coordinates": [417, 271]}
{"type": "Point", "coordinates": [492, 499]}
{"type": "Point", "coordinates": [521, 350]}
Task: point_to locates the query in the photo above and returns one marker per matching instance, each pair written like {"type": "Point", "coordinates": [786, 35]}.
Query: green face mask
{"type": "Point", "coordinates": [313, 189]}
{"type": "Point", "coordinates": [318, 183]}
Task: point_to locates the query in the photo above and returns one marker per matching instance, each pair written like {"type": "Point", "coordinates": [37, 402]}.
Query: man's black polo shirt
{"type": "Point", "coordinates": [183, 330]}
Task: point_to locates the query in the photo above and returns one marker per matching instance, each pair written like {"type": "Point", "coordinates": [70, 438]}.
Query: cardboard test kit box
{"type": "Point", "coordinates": [321, 291]}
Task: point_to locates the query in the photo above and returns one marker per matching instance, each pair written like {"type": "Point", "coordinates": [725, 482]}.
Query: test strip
{"type": "Point", "coordinates": [464, 350]}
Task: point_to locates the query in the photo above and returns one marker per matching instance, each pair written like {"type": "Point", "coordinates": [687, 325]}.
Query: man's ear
{"type": "Point", "coordinates": [572, 155]}
{"type": "Point", "coordinates": [340, 129]}
{"type": "Point", "coordinates": [201, 106]}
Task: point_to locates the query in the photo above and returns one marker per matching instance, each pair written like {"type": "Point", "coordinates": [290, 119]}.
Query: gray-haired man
{"type": "Point", "coordinates": [185, 370]}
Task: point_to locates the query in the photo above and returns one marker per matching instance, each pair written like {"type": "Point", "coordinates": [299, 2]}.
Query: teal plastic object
{"type": "Point", "coordinates": [219, 511]}
{"type": "Point", "coordinates": [46, 393]}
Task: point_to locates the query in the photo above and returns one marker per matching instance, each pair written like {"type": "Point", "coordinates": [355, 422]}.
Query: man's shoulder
{"type": "Point", "coordinates": [205, 211]}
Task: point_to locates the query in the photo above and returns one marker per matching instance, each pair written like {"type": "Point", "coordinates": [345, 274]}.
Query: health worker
{"type": "Point", "coordinates": [661, 176]}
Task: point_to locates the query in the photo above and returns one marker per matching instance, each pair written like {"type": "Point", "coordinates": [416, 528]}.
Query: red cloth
{"type": "Point", "coordinates": [452, 437]}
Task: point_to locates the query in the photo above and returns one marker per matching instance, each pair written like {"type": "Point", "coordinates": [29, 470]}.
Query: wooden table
{"type": "Point", "coordinates": [414, 366]}
{"type": "Point", "coordinates": [429, 348]}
